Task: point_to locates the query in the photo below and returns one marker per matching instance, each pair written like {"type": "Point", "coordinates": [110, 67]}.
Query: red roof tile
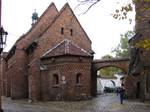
{"type": "Point", "coordinates": [66, 48]}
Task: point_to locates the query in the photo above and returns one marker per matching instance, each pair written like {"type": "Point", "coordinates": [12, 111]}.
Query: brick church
{"type": "Point", "coordinates": [52, 61]}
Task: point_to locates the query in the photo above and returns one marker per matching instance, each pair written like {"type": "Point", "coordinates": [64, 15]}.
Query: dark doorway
{"type": "Point", "coordinates": [138, 90]}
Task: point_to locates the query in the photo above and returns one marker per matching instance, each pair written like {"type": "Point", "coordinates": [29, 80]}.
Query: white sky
{"type": "Point", "coordinates": [102, 29]}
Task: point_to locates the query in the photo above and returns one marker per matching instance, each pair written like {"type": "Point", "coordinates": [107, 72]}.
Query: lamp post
{"type": "Point", "coordinates": [3, 35]}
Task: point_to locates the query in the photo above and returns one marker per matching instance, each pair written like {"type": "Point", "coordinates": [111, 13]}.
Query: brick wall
{"type": "Point", "coordinates": [19, 80]}
{"type": "Point", "coordinates": [3, 68]}
{"type": "Point", "coordinates": [34, 81]}
{"type": "Point", "coordinates": [68, 69]}
{"type": "Point", "coordinates": [142, 28]}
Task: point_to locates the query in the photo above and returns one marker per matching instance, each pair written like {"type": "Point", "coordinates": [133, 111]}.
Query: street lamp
{"type": "Point", "coordinates": [3, 36]}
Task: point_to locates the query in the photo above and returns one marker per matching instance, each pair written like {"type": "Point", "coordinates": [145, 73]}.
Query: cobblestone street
{"type": "Point", "coordinates": [103, 103]}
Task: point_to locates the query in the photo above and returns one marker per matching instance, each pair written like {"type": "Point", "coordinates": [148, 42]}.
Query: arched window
{"type": "Point", "coordinates": [55, 79]}
{"type": "Point", "coordinates": [78, 78]}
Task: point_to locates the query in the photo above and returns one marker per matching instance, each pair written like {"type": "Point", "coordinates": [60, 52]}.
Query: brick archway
{"type": "Point", "coordinates": [121, 63]}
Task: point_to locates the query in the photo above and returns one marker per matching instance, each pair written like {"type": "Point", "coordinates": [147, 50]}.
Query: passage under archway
{"type": "Point", "coordinates": [110, 71]}
{"type": "Point", "coordinates": [122, 63]}
{"type": "Point", "coordinates": [109, 77]}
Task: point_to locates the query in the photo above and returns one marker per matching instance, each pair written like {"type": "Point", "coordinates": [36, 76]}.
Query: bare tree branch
{"type": "Point", "coordinates": [83, 2]}
{"type": "Point", "coordinates": [91, 6]}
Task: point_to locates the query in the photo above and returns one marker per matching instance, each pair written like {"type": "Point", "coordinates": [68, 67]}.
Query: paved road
{"type": "Point", "coordinates": [103, 103]}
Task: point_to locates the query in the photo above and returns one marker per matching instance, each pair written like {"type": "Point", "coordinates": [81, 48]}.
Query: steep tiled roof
{"type": "Point", "coordinates": [48, 11]}
{"type": "Point", "coordinates": [66, 47]}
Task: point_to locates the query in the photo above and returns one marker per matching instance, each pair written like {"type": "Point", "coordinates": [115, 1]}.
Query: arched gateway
{"type": "Point", "coordinates": [121, 63]}
{"type": "Point", "coordinates": [97, 64]}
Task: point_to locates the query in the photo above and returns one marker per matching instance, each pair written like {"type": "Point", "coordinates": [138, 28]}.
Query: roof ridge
{"type": "Point", "coordinates": [26, 34]}
{"type": "Point", "coordinates": [52, 4]}
{"type": "Point", "coordinates": [59, 13]}
{"type": "Point", "coordinates": [67, 49]}
{"type": "Point", "coordinates": [67, 46]}
{"type": "Point", "coordinates": [81, 48]}
{"type": "Point", "coordinates": [55, 18]}
{"type": "Point", "coordinates": [79, 23]}
{"type": "Point", "coordinates": [48, 51]}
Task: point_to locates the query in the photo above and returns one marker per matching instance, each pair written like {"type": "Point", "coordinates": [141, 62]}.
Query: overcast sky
{"type": "Point", "coordinates": [102, 29]}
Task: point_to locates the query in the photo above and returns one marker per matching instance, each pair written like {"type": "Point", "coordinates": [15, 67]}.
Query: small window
{"type": "Point", "coordinates": [31, 47]}
{"type": "Point", "coordinates": [78, 78]}
{"type": "Point", "coordinates": [62, 31]}
{"type": "Point", "coordinates": [71, 32]}
{"type": "Point", "coordinates": [55, 79]}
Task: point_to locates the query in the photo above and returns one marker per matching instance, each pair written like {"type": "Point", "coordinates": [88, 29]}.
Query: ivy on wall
{"type": "Point", "coordinates": [145, 44]}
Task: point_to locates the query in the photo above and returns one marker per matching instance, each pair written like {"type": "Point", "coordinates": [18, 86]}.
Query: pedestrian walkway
{"type": "Point", "coordinates": [103, 103]}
